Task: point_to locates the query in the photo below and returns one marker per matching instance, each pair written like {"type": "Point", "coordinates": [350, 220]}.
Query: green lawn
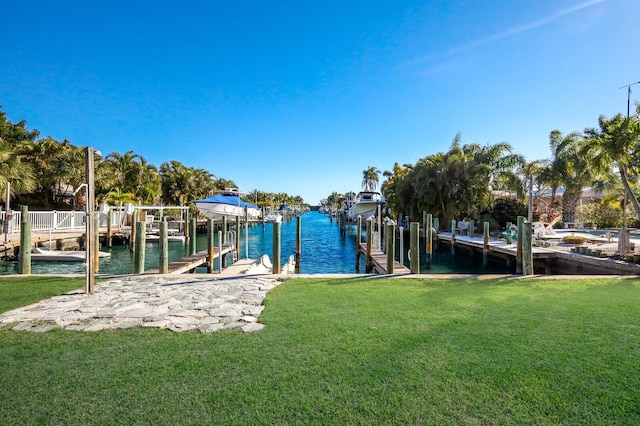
{"type": "Point", "coordinates": [351, 351]}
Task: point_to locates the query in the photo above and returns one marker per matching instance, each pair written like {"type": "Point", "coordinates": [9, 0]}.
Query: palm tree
{"type": "Point", "coordinates": [370, 178]}
{"type": "Point", "coordinates": [13, 170]}
{"type": "Point", "coordinates": [616, 144]}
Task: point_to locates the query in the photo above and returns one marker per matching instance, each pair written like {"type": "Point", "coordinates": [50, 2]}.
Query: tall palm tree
{"type": "Point", "coordinates": [370, 178]}
{"type": "Point", "coordinates": [13, 170]}
{"type": "Point", "coordinates": [616, 144]}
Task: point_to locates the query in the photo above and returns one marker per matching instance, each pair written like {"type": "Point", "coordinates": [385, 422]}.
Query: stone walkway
{"type": "Point", "coordinates": [179, 303]}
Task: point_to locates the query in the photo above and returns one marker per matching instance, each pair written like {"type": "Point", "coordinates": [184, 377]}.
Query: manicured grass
{"type": "Point", "coordinates": [352, 351]}
{"type": "Point", "coordinates": [16, 292]}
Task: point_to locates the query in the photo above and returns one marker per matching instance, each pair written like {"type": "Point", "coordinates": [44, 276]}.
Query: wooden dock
{"type": "Point", "coordinates": [189, 263]}
{"type": "Point", "coordinates": [379, 261]}
{"type": "Point", "coordinates": [495, 246]}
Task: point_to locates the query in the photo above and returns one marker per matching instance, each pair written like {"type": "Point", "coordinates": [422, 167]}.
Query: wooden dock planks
{"type": "Point", "coordinates": [379, 260]}
{"type": "Point", "coordinates": [188, 263]}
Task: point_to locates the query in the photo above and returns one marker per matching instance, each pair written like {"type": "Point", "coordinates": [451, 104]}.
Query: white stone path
{"type": "Point", "coordinates": [177, 303]}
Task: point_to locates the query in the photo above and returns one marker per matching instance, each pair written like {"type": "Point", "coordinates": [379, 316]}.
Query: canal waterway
{"type": "Point", "coordinates": [323, 250]}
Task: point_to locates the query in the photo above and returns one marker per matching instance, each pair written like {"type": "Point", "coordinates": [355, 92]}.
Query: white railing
{"type": "Point", "coordinates": [54, 220]}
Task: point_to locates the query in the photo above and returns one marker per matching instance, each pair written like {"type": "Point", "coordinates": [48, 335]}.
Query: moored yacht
{"type": "Point", "coordinates": [228, 203]}
{"type": "Point", "coordinates": [366, 205]}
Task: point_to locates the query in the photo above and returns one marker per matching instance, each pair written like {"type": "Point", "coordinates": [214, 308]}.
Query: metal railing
{"type": "Point", "coordinates": [54, 220]}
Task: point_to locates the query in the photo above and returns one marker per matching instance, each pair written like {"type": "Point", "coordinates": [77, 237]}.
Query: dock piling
{"type": "Point", "coordinates": [164, 248]}
{"type": "Point", "coordinates": [298, 239]}
{"type": "Point", "coordinates": [390, 246]}
{"type": "Point", "coordinates": [24, 257]}
{"type": "Point", "coordinates": [276, 248]}
{"type": "Point", "coordinates": [520, 229]}
{"type": "Point", "coordinates": [138, 260]}
{"type": "Point", "coordinates": [192, 239]}
{"type": "Point", "coordinates": [485, 246]}
{"type": "Point", "coordinates": [414, 247]}
{"type": "Point", "coordinates": [368, 260]}
{"type": "Point", "coordinates": [428, 233]}
{"type": "Point", "coordinates": [210, 245]}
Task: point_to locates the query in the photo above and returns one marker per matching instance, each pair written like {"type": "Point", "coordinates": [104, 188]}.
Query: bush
{"type": "Point", "coordinates": [574, 239]}
{"type": "Point", "coordinates": [507, 210]}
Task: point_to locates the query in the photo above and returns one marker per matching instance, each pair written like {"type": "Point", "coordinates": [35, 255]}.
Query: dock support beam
{"type": "Point", "coordinates": [96, 244]}
{"type": "Point", "coordinates": [210, 246]}
{"type": "Point", "coordinates": [485, 246]}
{"type": "Point", "coordinates": [163, 266]}
{"type": "Point", "coordinates": [390, 246]}
{"type": "Point", "coordinates": [368, 259]}
{"type": "Point", "coordinates": [453, 236]}
{"type": "Point", "coordinates": [527, 252]}
{"type": "Point", "coordinates": [192, 238]}
{"type": "Point", "coordinates": [24, 257]}
{"type": "Point", "coordinates": [414, 247]}
{"type": "Point", "coordinates": [138, 260]}
{"type": "Point", "coordinates": [428, 232]}
{"type": "Point", "coordinates": [276, 248]}
{"type": "Point", "coordinates": [519, 246]}
{"type": "Point", "coordinates": [109, 243]}
{"type": "Point", "coordinates": [298, 239]}
{"type": "Point", "coordinates": [223, 240]}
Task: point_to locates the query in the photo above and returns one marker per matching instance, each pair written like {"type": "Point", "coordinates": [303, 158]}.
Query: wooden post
{"type": "Point", "coordinates": [138, 258]}
{"type": "Point", "coordinates": [414, 247]}
{"type": "Point", "coordinates": [238, 236]}
{"type": "Point", "coordinates": [453, 236]}
{"type": "Point", "coordinates": [298, 240]}
{"type": "Point", "coordinates": [192, 239]}
{"type": "Point", "coordinates": [485, 246]}
{"type": "Point", "coordinates": [276, 248]}
{"type": "Point", "coordinates": [109, 243]}
{"type": "Point", "coordinates": [90, 221]}
{"type": "Point", "coordinates": [220, 259]}
{"type": "Point", "coordinates": [472, 229]}
{"type": "Point", "coordinates": [390, 246]}
{"type": "Point", "coordinates": [132, 238]}
{"type": "Point", "coordinates": [527, 251]}
{"type": "Point", "coordinates": [368, 259]}
{"type": "Point", "coordinates": [24, 256]}
{"type": "Point", "coordinates": [164, 248]}
{"type": "Point", "coordinates": [187, 235]}
{"type": "Point", "coordinates": [223, 260]}
{"type": "Point", "coordinates": [429, 238]}
{"type": "Point", "coordinates": [519, 246]}
{"type": "Point", "coordinates": [210, 246]}
{"type": "Point", "coordinates": [96, 244]}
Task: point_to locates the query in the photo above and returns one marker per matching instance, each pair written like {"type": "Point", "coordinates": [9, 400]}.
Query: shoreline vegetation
{"type": "Point", "coordinates": [346, 351]}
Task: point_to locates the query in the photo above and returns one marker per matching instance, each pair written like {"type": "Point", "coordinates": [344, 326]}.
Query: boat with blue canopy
{"type": "Point", "coordinates": [229, 204]}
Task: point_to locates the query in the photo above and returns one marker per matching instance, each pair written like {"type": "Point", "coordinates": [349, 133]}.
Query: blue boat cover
{"type": "Point", "coordinates": [231, 200]}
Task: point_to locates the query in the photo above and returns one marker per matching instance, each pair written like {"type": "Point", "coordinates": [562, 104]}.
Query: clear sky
{"type": "Point", "coordinates": [302, 96]}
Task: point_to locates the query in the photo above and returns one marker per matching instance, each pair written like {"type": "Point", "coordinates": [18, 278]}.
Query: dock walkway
{"type": "Point", "coordinates": [379, 260]}
{"type": "Point", "coordinates": [189, 263]}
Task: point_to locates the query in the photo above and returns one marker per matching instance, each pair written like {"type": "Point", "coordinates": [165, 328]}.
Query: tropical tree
{"type": "Point", "coordinates": [616, 144]}
{"type": "Point", "coordinates": [370, 178]}
{"type": "Point", "coordinates": [14, 171]}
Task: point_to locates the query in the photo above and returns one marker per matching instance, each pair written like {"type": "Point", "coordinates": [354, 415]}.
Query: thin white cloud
{"type": "Point", "coordinates": [530, 26]}
{"type": "Point", "coordinates": [511, 32]}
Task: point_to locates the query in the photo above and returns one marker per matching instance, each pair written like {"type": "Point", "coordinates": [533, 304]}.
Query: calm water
{"type": "Point", "coordinates": [323, 250]}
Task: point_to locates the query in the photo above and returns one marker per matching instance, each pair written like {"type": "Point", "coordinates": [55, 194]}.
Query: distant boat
{"type": "Point", "coordinates": [47, 255]}
{"type": "Point", "coordinates": [366, 205]}
{"type": "Point", "coordinates": [227, 204]}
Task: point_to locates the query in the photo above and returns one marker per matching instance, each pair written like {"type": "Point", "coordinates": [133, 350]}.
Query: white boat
{"type": "Point", "coordinates": [227, 204]}
{"type": "Point", "coordinates": [47, 255]}
{"type": "Point", "coordinates": [366, 205]}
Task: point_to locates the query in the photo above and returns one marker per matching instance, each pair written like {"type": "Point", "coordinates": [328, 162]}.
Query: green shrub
{"type": "Point", "coordinates": [574, 239]}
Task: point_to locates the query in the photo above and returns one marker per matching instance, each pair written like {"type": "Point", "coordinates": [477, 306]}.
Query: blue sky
{"type": "Point", "coordinates": [301, 97]}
